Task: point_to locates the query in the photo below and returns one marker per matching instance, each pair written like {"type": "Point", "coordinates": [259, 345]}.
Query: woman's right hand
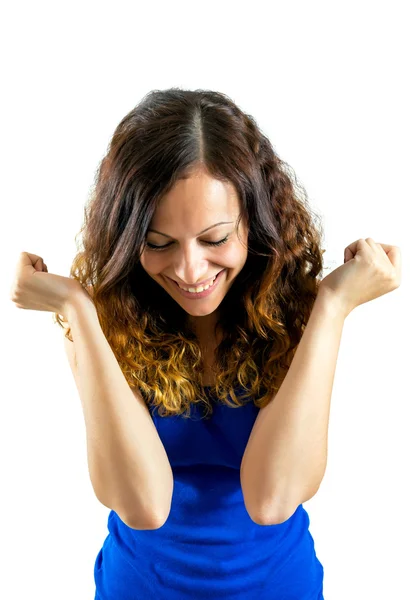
{"type": "Point", "coordinates": [34, 288]}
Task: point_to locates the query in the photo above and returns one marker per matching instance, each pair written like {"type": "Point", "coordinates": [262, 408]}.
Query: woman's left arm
{"type": "Point", "coordinates": [286, 455]}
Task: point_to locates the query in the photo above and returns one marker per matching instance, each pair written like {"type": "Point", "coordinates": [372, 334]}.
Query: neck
{"type": "Point", "coordinates": [203, 327]}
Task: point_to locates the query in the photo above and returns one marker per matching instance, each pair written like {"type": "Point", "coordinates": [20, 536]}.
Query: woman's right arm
{"type": "Point", "coordinates": [128, 465]}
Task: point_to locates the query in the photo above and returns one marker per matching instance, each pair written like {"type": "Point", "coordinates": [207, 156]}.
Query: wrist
{"type": "Point", "coordinates": [332, 303]}
{"type": "Point", "coordinates": [79, 303]}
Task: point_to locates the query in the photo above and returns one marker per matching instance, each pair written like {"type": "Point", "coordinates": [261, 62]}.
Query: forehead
{"type": "Point", "coordinates": [196, 200]}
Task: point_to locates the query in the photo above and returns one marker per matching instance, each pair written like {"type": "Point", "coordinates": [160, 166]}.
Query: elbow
{"type": "Point", "coordinates": [142, 519]}
{"type": "Point", "coordinates": [275, 512]}
{"type": "Point", "coordinates": [138, 522]}
{"type": "Point", "coordinates": [160, 519]}
{"type": "Point", "coordinates": [150, 517]}
{"type": "Point", "coordinates": [274, 516]}
{"type": "Point", "coordinates": [155, 520]}
{"type": "Point", "coordinates": [279, 508]}
{"type": "Point", "coordinates": [278, 512]}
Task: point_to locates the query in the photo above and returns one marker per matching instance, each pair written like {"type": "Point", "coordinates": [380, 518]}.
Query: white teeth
{"type": "Point", "coordinates": [200, 288]}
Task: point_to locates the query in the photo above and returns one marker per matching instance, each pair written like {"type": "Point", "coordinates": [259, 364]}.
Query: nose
{"type": "Point", "coordinates": [191, 267]}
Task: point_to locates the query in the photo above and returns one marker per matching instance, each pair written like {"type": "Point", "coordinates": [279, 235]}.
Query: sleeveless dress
{"type": "Point", "coordinates": [209, 547]}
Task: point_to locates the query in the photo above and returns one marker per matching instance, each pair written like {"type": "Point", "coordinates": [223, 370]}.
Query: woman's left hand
{"type": "Point", "coordinates": [370, 270]}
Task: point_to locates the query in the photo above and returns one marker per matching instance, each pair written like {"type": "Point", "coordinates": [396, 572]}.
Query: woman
{"type": "Point", "coordinates": [206, 407]}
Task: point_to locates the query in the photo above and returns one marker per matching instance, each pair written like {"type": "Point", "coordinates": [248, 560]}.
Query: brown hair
{"type": "Point", "coordinates": [264, 313]}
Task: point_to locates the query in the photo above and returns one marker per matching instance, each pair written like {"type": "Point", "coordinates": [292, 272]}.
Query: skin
{"type": "Point", "coordinates": [191, 206]}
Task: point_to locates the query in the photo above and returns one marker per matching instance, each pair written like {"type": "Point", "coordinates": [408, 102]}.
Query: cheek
{"type": "Point", "coordinates": [234, 256]}
{"type": "Point", "coordinates": [152, 263]}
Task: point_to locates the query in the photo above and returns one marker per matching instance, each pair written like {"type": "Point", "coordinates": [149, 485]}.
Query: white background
{"type": "Point", "coordinates": [329, 83]}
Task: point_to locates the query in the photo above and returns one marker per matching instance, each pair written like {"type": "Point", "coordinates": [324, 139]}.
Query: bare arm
{"type": "Point", "coordinates": [128, 465]}
{"type": "Point", "coordinates": [286, 455]}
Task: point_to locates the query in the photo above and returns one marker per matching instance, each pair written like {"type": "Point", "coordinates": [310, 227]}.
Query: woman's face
{"type": "Point", "coordinates": [185, 255]}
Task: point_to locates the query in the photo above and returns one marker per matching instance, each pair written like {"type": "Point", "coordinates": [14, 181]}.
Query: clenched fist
{"type": "Point", "coordinates": [370, 270]}
{"type": "Point", "coordinates": [34, 288]}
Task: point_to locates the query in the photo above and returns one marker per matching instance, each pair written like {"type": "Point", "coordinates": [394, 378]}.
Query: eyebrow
{"type": "Point", "coordinates": [204, 230]}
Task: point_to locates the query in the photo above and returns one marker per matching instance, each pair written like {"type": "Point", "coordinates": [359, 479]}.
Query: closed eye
{"type": "Point", "coordinates": [159, 248]}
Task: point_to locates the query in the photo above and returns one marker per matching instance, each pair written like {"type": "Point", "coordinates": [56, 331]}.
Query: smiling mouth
{"type": "Point", "coordinates": [208, 281]}
{"type": "Point", "coordinates": [201, 294]}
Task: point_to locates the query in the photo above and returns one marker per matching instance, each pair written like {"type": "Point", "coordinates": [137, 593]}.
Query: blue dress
{"type": "Point", "coordinates": [209, 547]}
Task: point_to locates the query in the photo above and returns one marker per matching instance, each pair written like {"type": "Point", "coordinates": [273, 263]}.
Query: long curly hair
{"type": "Point", "coordinates": [264, 313]}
